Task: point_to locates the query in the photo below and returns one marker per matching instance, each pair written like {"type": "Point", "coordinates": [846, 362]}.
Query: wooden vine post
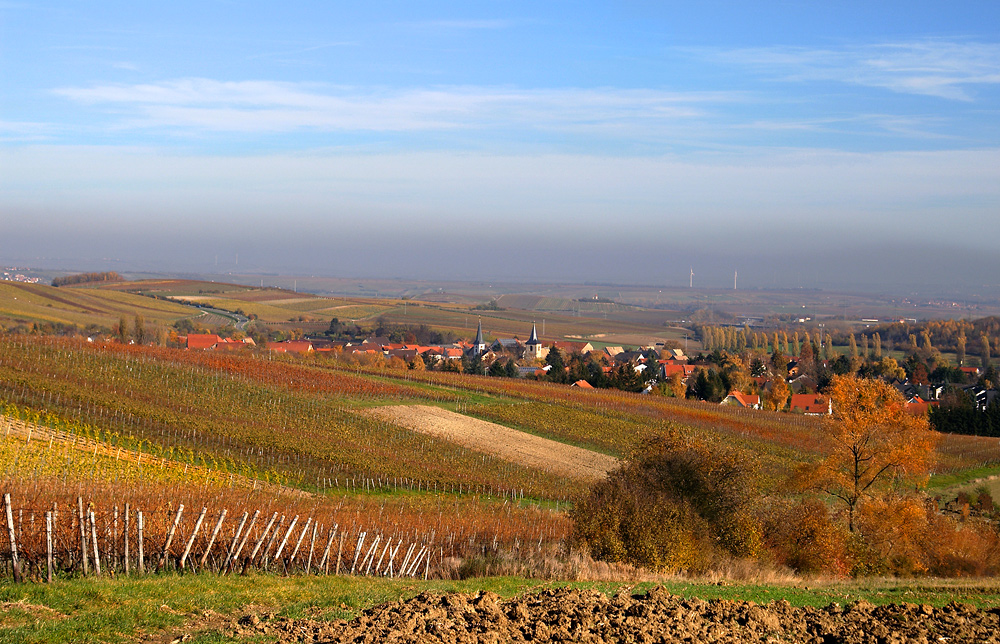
{"type": "Point", "coordinates": [83, 535]}
{"type": "Point", "coordinates": [298, 544]}
{"type": "Point", "coordinates": [125, 552]}
{"type": "Point", "coordinates": [243, 542]}
{"type": "Point", "coordinates": [93, 534]}
{"type": "Point", "coordinates": [277, 555]}
{"type": "Point", "coordinates": [232, 546]}
{"type": "Point", "coordinates": [170, 537]}
{"type": "Point", "coordinates": [340, 551]}
{"type": "Point", "coordinates": [325, 562]}
{"type": "Point", "coordinates": [113, 561]}
{"type": "Point", "coordinates": [15, 564]}
{"type": "Point", "coordinates": [48, 545]}
{"type": "Point", "coordinates": [211, 540]}
{"type": "Point", "coordinates": [194, 533]}
{"type": "Point", "coordinates": [139, 527]}
{"type": "Point", "coordinates": [312, 545]}
{"type": "Point", "coordinates": [260, 540]}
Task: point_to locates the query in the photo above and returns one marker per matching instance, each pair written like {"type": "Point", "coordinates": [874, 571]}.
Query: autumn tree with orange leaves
{"type": "Point", "coordinates": [872, 443]}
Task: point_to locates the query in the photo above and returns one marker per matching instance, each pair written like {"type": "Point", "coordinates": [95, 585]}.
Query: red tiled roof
{"type": "Point", "coordinates": [744, 400]}
{"type": "Point", "coordinates": [291, 346]}
{"type": "Point", "coordinates": [582, 384]}
{"type": "Point", "coordinates": [684, 369]}
{"type": "Point", "coordinates": [920, 407]}
{"type": "Point", "coordinates": [572, 347]}
{"type": "Point", "coordinates": [810, 404]}
{"type": "Point", "coordinates": [202, 340]}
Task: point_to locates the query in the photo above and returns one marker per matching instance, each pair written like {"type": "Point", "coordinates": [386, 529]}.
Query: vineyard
{"type": "Point", "coordinates": [78, 506]}
{"type": "Point", "coordinates": [261, 451]}
{"type": "Point", "coordinates": [252, 415]}
{"type": "Point", "coordinates": [37, 303]}
{"type": "Point", "coordinates": [270, 305]}
{"type": "Point", "coordinates": [54, 534]}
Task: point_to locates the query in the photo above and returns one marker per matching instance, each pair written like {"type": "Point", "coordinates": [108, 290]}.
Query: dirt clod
{"type": "Point", "coordinates": [588, 616]}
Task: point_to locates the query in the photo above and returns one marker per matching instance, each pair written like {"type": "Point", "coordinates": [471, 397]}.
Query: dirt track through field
{"type": "Point", "coordinates": [504, 442]}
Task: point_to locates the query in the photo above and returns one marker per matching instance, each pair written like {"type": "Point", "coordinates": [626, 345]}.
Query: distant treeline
{"type": "Point", "coordinates": [83, 278]}
{"type": "Point", "coordinates": [962, 417]}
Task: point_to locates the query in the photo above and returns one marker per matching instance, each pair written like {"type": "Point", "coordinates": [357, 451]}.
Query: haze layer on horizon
{"type": "Point", "coordinates": [802, 146]}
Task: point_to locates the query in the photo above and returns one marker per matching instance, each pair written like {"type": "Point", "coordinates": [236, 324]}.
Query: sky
{"type": "Point", "coordinates": [804, 144]}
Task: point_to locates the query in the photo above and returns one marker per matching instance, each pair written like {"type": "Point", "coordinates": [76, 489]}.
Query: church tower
{"type": "Point", "coordinates": [533, 347]}
{"type": "Point", "coordinates": [479, 347]}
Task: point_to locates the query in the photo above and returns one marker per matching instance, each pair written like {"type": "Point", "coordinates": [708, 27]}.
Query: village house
{"type": "Point", "coordinates": [569, 348]}
{"type": "Point", "coordinates": [920, 407]}
{"type": "Point", "coordinates": [211, 341]}
{"type": "Point", "coordinates": [738, 399]}
{"type": "Point", "coordinates": [669, 368]}
{"type": "Point", "coordinates": [611, 352]}
{"type": "Point", "coordinates": [202, 340]}
{"type": "Point", "coordinates": [811, 404]}
{"type": "Point", "coordinates": [301, 347]}
{"type": "Point", "coordinates": [510, 345]}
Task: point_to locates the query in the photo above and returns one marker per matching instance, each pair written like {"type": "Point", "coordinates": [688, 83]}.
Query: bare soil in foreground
{"type": "Point", "coordinates": [504, 442]}
{"type": "Point", "coordinates": [568, 615]}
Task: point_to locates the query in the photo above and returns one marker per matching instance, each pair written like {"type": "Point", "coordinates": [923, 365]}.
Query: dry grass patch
{"type": "Point", "coordinates": [504, 442]}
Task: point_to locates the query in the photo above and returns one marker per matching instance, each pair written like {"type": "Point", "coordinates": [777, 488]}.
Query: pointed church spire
{"type": "Point", "coordinates": [479, 334]}
{"type": "Point", "coordinates": [479, 346]}
{"type": "Point", "coordinates": [533, 347]}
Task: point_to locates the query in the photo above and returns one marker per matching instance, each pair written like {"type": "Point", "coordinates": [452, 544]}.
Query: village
{"type": "Point", "coordinates": [755, 381]}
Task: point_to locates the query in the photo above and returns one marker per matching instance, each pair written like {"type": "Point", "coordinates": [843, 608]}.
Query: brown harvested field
{"type": "Point", "coordinates": [572, 615]}
{"type": "Point", "coordinates": [504, 442]}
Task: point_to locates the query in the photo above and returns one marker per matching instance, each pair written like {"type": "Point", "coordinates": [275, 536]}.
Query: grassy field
{"type": "Point", "coordinates": [124, 610]}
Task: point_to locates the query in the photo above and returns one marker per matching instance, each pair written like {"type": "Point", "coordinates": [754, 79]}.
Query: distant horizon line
{"type": "Point", "coordinates": [884, 290]}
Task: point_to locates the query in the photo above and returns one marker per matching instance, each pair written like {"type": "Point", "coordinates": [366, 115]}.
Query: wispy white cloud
{"type": "Point", "coordinates": [127, 66]}
{"type": "Point", "coordinates": [22, 131]}
{"type": "Point", "coordinates": [281, 107]}
{"type": "Point", "coordinates": [911, 127]}
{"type": "Point", "coordinates": [942, 68]}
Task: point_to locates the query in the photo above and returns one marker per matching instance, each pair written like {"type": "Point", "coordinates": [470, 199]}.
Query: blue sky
{"type": "Point", "coordinates": [544, 137]}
